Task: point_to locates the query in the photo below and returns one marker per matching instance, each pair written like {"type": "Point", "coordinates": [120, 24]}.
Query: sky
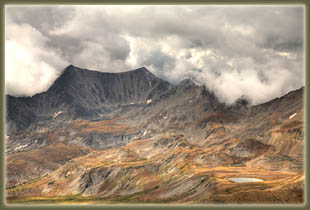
{"type": "Point", "coordinates": [252, 51]}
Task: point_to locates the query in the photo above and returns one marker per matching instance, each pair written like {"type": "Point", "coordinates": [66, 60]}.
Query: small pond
{"type": "Point", "coordinates": [240, 180]}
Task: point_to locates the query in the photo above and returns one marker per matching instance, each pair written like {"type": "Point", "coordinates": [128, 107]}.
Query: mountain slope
{"type": "Point", "coordinates": [132, 137]}
{"type": "Point", "coordinates": [84, 93]}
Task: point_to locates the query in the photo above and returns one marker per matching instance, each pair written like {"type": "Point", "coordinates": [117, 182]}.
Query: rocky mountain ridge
{"type": "Point", "coordinates": [84, 93]}
{"type": "Point", "coordinates": [120, 135]}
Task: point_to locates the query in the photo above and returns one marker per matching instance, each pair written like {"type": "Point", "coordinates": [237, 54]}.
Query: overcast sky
{"type": "Point", "coordinates": [256, 51]}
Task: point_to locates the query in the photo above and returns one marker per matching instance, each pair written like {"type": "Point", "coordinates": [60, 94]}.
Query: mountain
{"type": "Point", "coordinates": [131, 137]}
{"type": "Point", "coordinates": [84, 93]}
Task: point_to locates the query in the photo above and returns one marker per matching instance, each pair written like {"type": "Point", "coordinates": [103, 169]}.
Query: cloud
{"type": "Point", "coordinates": [30, 65]}
{"type": "Point", "coordinates": [255, 51]}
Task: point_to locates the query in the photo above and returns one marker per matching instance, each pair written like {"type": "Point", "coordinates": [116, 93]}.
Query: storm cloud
{"type": "Point", "coordinates": [255, 51]}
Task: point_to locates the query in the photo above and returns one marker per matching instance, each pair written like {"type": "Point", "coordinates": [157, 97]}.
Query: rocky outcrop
{"type": "Point", "coordinates": [84, 93]}
{"type": "Point", "coordinates": [132, 137]}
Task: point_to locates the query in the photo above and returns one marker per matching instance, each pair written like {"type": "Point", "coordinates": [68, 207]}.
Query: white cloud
{"type": "Point", "coordinates": [233, 50]}
{"type": "Point", "coordinates": [30, 66]}
{"type": "Point", "coordinates": [95, 56]}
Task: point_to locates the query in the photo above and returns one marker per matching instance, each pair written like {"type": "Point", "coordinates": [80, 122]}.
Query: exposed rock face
{"type": "Point", "coordinates": [132, 137]}
{"type": "Point", "coordinates": [84, 93]}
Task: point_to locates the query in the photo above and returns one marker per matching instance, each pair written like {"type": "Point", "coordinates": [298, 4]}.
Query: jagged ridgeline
{"type": "Point", "coordinates": [131, 137]}
{"type": "Point", "coordinates": [84, 93]}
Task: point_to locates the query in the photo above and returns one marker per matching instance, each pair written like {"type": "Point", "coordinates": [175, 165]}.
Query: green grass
{"type": "Point", "coordinates": [51, 182]}
{"type": "Point", "coordinates": [238, 165]}
{"type": "Point", "coordinates": [44, 200]}
{"type": "Point", "coordinates": [76, 199]}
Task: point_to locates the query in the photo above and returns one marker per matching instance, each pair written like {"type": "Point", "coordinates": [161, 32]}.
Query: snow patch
{"type": "Point", "coordinates": [42, 130]}
{"type": "Point", "coordinates": [56, 114]}
{"type": "Point", "coordinates": [293, 115]}
{"type": "Point", "coordinates": [20, 147]}
{"type": "Point", "coordinates": [241, 180]}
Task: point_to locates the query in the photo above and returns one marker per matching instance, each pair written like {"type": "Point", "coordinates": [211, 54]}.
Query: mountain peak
{"type": "Point", "coordinates": [187, 83]}
{"type": "Point", "coordinates": [141, 69]}
{"type": "Point", "coordinates": [70, 68]}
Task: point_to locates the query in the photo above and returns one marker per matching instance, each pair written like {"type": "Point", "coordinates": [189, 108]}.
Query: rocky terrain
{"type": "Point", "coordinates": [130, 137]}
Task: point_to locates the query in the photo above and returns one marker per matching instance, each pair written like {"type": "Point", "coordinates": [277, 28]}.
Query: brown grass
{"type": "Point", "coordinates": [218, 117]}
{"type": "Point", "coordinates": [291, 125]}
{"type": "Point", "coordinates": [48, 158]}
{"type": "Point", "coordinates": [104, 126]}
